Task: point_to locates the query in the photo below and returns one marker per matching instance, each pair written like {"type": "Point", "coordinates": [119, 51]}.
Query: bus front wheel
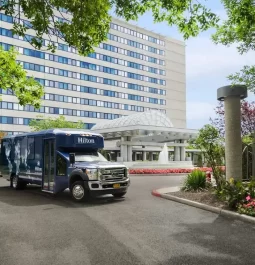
{"type": "Point", "coordinates": [78, 191]}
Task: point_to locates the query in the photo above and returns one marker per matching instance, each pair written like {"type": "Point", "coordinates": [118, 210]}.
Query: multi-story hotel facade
{"type": "Point", "coordinates": [135, 70]}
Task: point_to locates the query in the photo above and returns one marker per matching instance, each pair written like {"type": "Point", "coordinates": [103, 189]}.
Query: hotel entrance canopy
{"type": "Point", "coordinates": [151, 126]}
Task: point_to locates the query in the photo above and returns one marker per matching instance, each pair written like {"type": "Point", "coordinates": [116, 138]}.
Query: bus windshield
{"type": "Point", "coordinates": [89, 157]}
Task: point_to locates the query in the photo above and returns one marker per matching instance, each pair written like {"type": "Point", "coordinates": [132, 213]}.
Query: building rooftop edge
{"type": "Point", "coordinates": [167, 38]}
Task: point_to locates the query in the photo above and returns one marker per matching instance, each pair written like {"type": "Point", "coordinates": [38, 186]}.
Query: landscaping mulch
{"type": "Point", "coordinates": [205, 197]}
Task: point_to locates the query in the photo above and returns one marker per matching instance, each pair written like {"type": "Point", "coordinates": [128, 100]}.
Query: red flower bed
{"type": "Point", "coordinates": [148, 171]}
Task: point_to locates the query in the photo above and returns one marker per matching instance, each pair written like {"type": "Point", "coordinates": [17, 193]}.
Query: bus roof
{"type": "Point", "coordinates": [56, 132]}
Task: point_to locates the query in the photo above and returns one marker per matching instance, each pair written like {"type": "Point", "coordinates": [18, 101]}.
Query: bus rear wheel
{"type": "Point", "coordinates": [17, 183]}
{"type": "Point", "coordinates": [78, 192]}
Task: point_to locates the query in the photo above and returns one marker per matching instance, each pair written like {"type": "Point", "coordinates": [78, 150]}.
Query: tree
{"type": "Point", "coordinates": [13, 77]}
{"type": "Point", "coordinates": [246, 76]}
{"type": "Point", "coordinates": [210, 143]}
{"type": "Point", "coordinates": [239, 29]}
{"type": "Point", "coordinates": [84, 24]}
{"type": "Point", "coordinates": [247, 119]}
{"type": "Point", "coordinates": [49, 123]}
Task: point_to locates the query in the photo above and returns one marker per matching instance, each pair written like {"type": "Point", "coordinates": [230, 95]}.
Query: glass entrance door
{"type": "Point", "coordinates": [49, 165]}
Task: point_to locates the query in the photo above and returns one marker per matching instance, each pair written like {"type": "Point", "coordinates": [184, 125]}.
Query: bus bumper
{"type": "Point", "coordinates": [97, 188]}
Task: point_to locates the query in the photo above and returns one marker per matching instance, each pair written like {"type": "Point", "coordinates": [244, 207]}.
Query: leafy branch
{"type": "Point", "coordinates": [13, 77]}
{"type": "Point", "coordinates": [88, 22]}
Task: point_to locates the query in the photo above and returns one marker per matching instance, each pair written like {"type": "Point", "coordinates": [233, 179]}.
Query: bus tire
{"type": "Point", "coordinates": [119, 195]}
{"type": "Point", "coordinates": [17, 183]}
{"type": "Point", "coordinates": [78, 192]}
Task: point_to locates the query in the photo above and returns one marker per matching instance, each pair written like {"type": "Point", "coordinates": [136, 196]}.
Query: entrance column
{"type": "Point", "coordinates": [123, 149]}
{"type": "Point", "coordinates": [129, 150]}
{"type": "Point", "coordinates": [144, 155]}
{"type": "Point", "coordinates": [183, 151]}
{"type": "Point", "coordinates": [231, 96]}
{"type": "Point", "coordinates": [177, 153]}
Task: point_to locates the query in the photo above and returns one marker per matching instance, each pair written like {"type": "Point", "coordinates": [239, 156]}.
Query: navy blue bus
{"type": "Point", "coordinates": [58, 159]}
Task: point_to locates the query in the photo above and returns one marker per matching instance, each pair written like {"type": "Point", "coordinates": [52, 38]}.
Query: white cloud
{"type": "Point", "coordinates": [204, 58]}
{"type": "Point", "coordinates": [200, 110]}
{"type": "Point", "coordinates": [199, 114]}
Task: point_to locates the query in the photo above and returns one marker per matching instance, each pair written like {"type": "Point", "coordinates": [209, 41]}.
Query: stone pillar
{"type": "Point", "coordinates": [123, 149]}
{"type": "Point", "coordinates": [129, 151]}
{"type": "Point", "coordinates": [177, 156]}
{"type": "Point", "coordinates": [144, 155]}
{"type": "Point", "coordinates": [233, 142]}
{"type": "Point", "coordinates": [183, 151]}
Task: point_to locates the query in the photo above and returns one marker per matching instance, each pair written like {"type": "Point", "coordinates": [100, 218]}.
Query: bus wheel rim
{"type": "Point", "coordinates": [78, 192]}
{"type": "Point", "coordinates": [15, 182]}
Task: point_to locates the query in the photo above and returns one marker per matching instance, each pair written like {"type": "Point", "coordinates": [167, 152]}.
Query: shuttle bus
{"type": "Point", "coordinates": [59, 159]}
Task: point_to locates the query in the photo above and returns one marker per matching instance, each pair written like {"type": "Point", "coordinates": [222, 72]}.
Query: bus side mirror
{"type": "Point", "coordinates": [72, 158]}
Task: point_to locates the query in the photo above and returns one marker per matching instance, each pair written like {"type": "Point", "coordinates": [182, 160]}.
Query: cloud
{"type": "Point", "coordinates": [199, 113]}
{"type": "Point", "coordinates": [207, 66]}
{"type": "Point", "coordinates": [200, 110]}
{"type": "Point", "coordinates": [204, 58]}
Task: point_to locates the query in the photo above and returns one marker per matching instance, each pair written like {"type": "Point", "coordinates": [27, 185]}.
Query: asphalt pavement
{"type": "Point", "coordinates": [36, 228]}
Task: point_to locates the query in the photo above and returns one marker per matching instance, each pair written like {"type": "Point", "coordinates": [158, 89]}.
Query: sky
{"type": "Point", "coordinates": [207, 66]}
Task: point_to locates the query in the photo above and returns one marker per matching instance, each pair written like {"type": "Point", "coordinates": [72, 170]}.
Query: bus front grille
{"type": "Point", "coordinates": [113, 174]}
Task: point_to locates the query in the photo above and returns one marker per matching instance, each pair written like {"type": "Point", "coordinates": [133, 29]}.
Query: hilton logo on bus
{"type": "Point", "coordinates": [84, 140]}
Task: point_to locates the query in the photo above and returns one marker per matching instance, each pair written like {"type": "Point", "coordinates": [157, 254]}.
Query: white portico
{"type": "Point", "coordinates": [146, 132]}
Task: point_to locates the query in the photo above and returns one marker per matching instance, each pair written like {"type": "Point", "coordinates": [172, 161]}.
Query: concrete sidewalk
{"type": "Point", "coordinates": [166, 190]}
{"type": "Point", "coordinates": [166, 194]}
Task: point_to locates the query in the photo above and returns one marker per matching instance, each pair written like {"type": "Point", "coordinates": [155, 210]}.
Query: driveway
{"type": "Point", "coordinates": [36, 228]}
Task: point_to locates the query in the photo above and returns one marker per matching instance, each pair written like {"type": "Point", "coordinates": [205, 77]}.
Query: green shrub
{"type": "Point", "coordinates": [251, 187]}
{"type": "Point", "coordinates": [234, 192]}
{"type": "Point", "coordinates": [195, 181]}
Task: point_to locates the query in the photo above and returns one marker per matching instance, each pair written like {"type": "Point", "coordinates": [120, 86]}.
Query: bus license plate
{"type": "Point", "coordinates": [116, 186]}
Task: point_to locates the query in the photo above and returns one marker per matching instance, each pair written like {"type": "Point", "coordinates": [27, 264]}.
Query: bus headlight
{"type": "Point", "coordinates": [92, 174]}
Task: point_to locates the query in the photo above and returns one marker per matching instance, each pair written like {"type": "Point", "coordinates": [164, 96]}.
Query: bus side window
{"type": "Point", "coordinates": [31, 148]}
{"type": "Point", "coordinates": [38, 150]}
{"type": "Point", "coordinates": [61, 166]}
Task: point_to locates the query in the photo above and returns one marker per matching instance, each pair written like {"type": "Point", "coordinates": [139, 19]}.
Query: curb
{"type": "Point", "coordinates": [225, 213]}
{"type": "Point", "coordinates": [156, 193]}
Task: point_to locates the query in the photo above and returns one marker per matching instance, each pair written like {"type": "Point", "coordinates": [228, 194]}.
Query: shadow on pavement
{"type": "Point", "coordinates": [33, 196]}
{"type": "Point", "coordinates": [225, 241]}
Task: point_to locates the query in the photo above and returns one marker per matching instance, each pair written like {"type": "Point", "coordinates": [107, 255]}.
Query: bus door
{"type": "Point", "coordinates": [61, 178]}
{"type": "Point", "coordinates": [48, 181]}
